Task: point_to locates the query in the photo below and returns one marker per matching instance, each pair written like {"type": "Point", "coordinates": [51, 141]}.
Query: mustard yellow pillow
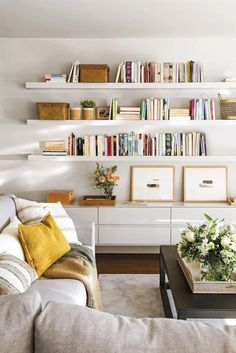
{"type": "Point", "coordinates": [43, 243]}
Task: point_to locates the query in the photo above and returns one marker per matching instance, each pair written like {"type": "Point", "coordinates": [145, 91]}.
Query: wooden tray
{"type": "Point", "coordinates": [192, 275]}
{"type": "Point", "coordinates": [91, 200]}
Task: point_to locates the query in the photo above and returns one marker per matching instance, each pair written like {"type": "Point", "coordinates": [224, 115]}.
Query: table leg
{"type": "Point", "coordinates": [163, 290]}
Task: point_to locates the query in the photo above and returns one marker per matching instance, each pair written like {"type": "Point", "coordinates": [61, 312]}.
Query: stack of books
{"type": "Point", "coordinates": [60, 78]}
{"type": "Point", "coordinates": [74, 72]}
{"type": "Point", "coordinates": [202, 109]}
{"type": "Point", "coordinates": [139, 144]}
{"type": "Point", "coordinates": [128, 113]}
{"type": "Point", "coordinates": [179, 114]}
{"type": "Point", "coordinates": [155, 109]}
{"type": "Point", "coordinates": [53, 148]}
{"type": "Point", "coordinates": [152, 71]}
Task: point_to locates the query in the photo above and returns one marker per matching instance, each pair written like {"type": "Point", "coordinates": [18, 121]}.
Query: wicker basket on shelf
{"type": "Point", "coordinates": [227, 108]}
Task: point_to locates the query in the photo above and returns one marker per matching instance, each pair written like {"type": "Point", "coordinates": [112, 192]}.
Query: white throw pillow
{"type": "Point", "coordinates": [63, 221]}
{"type": "Point", "coordinates": [16, 276]}
{"type": "Point", "coordinates": [32, 212]}
{"type": "Point", "coordinates": [9, 241]}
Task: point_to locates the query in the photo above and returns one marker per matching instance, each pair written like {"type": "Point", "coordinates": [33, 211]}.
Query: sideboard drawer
{"type": "Point", "coordinates": [196, 215]}
{"type": "Point", "coordinates": [175, 235]}
{"type": "Point", "coordinates": [137, 215]}
{"type": "Point", "coordinates": [83, 214]}
{"type": "Point", "coordinates": [133, 236]}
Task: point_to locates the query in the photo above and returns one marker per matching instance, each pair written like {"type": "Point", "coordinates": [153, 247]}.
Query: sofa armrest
{"type": "Point", "coordinates": [86, 234]}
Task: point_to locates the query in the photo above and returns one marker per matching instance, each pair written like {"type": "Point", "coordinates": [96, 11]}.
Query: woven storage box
{"type": "Point", "coordinates": [53, 111]}
{"type": "Point", "coordinates": [227, 108]}
{"type": "Point", "coordinates": [94, 73]}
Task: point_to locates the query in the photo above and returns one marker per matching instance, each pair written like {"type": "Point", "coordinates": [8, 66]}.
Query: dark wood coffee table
{"type": "Point", "coordinates": [187, 304]}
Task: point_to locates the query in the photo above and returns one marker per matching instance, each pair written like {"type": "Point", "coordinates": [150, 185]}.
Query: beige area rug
{"type": "Point", "coordinates": [131, 295]}
{"type": "Point", "coordinates": [138, 296]}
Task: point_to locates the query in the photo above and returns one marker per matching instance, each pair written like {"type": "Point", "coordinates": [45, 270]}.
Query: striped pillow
{"type": "Point", "coordinates": [16, 275]}
{"type": "Point", "coordinates": [32, 212]}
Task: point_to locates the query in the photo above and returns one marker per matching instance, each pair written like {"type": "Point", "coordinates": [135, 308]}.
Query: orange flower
{"type": "Point", "coordinates": [102, 179]}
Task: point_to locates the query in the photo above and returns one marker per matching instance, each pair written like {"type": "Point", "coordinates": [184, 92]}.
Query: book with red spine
{"type": "Point", "coordinates": [128, 69]}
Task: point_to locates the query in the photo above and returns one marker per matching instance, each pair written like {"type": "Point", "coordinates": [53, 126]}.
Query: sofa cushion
{"type": "Point", "coordinates": [43, 243]}
{"type": "Point", "coordinates": [68, 291]}
{"type": "Point", "coordinates": [69, 328]}
{"type": "Point", "coordinates": [9, 241]}
{"type": "Point", "coordinates": [17, 315]}
{"type": "Point", "coordinates": [16, 275]}
{"type": "Point", "coordinates": [32, 212]}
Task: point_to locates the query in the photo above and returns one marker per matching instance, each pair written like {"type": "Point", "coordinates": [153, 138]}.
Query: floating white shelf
{"type": "Point", "coordinates": [132, 86]}
{"type": "Point", "coordinates": [158, 123]}
{"type": "Point", "coordinates": [213, 158]}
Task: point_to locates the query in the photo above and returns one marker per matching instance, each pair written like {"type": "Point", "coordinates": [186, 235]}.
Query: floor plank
{"type": "Point", "coordinates": [127, 263]}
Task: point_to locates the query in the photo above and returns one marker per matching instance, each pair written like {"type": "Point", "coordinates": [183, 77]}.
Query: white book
{"type": "Point", "coordinates": [157, 144]}
{"type": "Point", "coordinates": [155, 104]}
{"type": "Point", "coordinates": [118, 75]}
{"type": "Point", "coordinates": [161, 72]}
{"type": "Point", "coordinates": [139, 72]}
{"type": "Point", "coordinates": [123, 73]}
{"type": "Point", "coordinates": [132, 72]}
{"type": "Point", "coordinates": [156, 72]}
{"type": "Point", "coordinates": [75, 76]}
{"type": "Point", "coordinates": [71, 72]}
{"type": "Point", "coordinates": [183, 144]}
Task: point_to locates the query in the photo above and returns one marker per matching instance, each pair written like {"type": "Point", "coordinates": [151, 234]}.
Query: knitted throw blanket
{"type": "Point", "coordinates": [79, 263]}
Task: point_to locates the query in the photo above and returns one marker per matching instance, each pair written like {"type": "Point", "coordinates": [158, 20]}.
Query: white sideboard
{"type": "Point", "coordinates": [145, 225]}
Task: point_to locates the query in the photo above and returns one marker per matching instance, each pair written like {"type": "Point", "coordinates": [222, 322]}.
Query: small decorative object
{"type": "Point", "coordinates": [66, 197]}
{"type": "Point", "coordinates": [88, 107]}
{"type": "Point", "coordinates": [205, 184]}
{"type": "Point", "coordinates": [232, 201]}
{"type": "Point", "coordinates": [213, 245]}
{"type": "Point", "coordinates": [152, 183]}
{"type": "Point", "coordinates": [103, 113]}
{"type": "Point", "coordinates": [75, 113]}
{"type": "Point", "coordinates": [105, 179]}
{"type": "Point", "coordinates": [97, 200]}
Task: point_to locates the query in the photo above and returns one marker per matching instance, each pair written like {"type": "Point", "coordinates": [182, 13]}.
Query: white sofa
{"type": "Point", "coordinates": [59, 290]}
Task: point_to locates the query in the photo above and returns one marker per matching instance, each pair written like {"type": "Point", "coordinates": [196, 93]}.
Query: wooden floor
{"type": "Point", "coordinates": [127, 263]}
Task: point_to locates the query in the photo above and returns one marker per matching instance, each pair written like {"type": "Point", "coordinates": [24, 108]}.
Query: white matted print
{"type": "Point", "coordinates": [152, 183]}
{"type": "Point", "coordinates": [205, 184]}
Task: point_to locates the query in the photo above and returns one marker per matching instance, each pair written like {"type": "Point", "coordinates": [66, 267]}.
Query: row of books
{"type": "Point", "coordinates": [202, 109]}
{"type": "Point", "coordinates": [166, 72]}
{"type": "Point", "coordinates": [159, 109]}
{"type": "Point", "coordinates": [139, 144]}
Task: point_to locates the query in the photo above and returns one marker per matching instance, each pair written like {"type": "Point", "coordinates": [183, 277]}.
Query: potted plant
{"type": "Point", "coordinates": [88, 109]}
{"type": "Point", "coordinates": [213, 245]}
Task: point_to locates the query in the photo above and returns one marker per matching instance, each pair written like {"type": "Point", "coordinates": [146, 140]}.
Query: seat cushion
{"type": "Point", "coordinates": [85, 330]}
{"type": "Point", "coordinates": [43, 243]}
{"type": "Point", "coordinates": [68, 291]}
{"type": "Point", "coordinates": [18, 313]}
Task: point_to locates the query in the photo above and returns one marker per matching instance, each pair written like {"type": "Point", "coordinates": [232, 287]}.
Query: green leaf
{"type": "Point", "coordinates": [208, 217]}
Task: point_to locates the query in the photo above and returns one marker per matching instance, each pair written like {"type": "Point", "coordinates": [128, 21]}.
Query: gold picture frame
{"type": "Point", "coordinates": [103, 112]}
{"type": "Point", "coordinates": [148, 185]}
{"type": "Point", "coordinates": [208, 187]}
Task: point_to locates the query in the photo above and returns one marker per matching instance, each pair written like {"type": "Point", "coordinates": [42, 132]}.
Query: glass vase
{"type": "Point", "coordinates": [216, 271]}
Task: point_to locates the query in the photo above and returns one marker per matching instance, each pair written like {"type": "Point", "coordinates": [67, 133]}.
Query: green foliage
{"type": "Point", "coordinates": [88, 104]}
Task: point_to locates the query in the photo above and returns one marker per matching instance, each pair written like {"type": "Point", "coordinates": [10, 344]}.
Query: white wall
{"type": "Point", "coordinates": [28, 59]}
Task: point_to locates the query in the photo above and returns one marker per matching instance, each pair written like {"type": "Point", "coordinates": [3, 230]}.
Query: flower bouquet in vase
{"type": "Point", "coordinates": [213, 246]}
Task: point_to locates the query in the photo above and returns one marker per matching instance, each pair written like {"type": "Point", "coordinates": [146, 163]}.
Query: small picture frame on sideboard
{"type": "Point", "coordinates": [205, 184]}
{"type": "Point", "coordinates": [153, 183]}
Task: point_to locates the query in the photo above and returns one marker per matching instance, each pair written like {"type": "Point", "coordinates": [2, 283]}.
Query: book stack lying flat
{"type": "Point", "coordinates": [202, 109]}
{"type": "Point", "coordinates": [139, 144]}
{"type": "Point", "coordinates": [154, 109]}
{"type": "Point", "coordinates": [53, 148]}
{"type": "Point", "coordinates": [152, 71]}
{"type": "Point", "coordinates": [179, 114]}
{"type": "Point", "coordinates": [60, 78]}
{"type": "Point", "coordinates": [128, 113]}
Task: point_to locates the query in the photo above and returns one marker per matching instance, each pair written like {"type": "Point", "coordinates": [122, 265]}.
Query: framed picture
{"type": "Point", "coordinates": [152, 183]}
{"type": "Point", "coordinates": [103, 113]}
{"type": "Point", "coordinates": [205, 184]}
